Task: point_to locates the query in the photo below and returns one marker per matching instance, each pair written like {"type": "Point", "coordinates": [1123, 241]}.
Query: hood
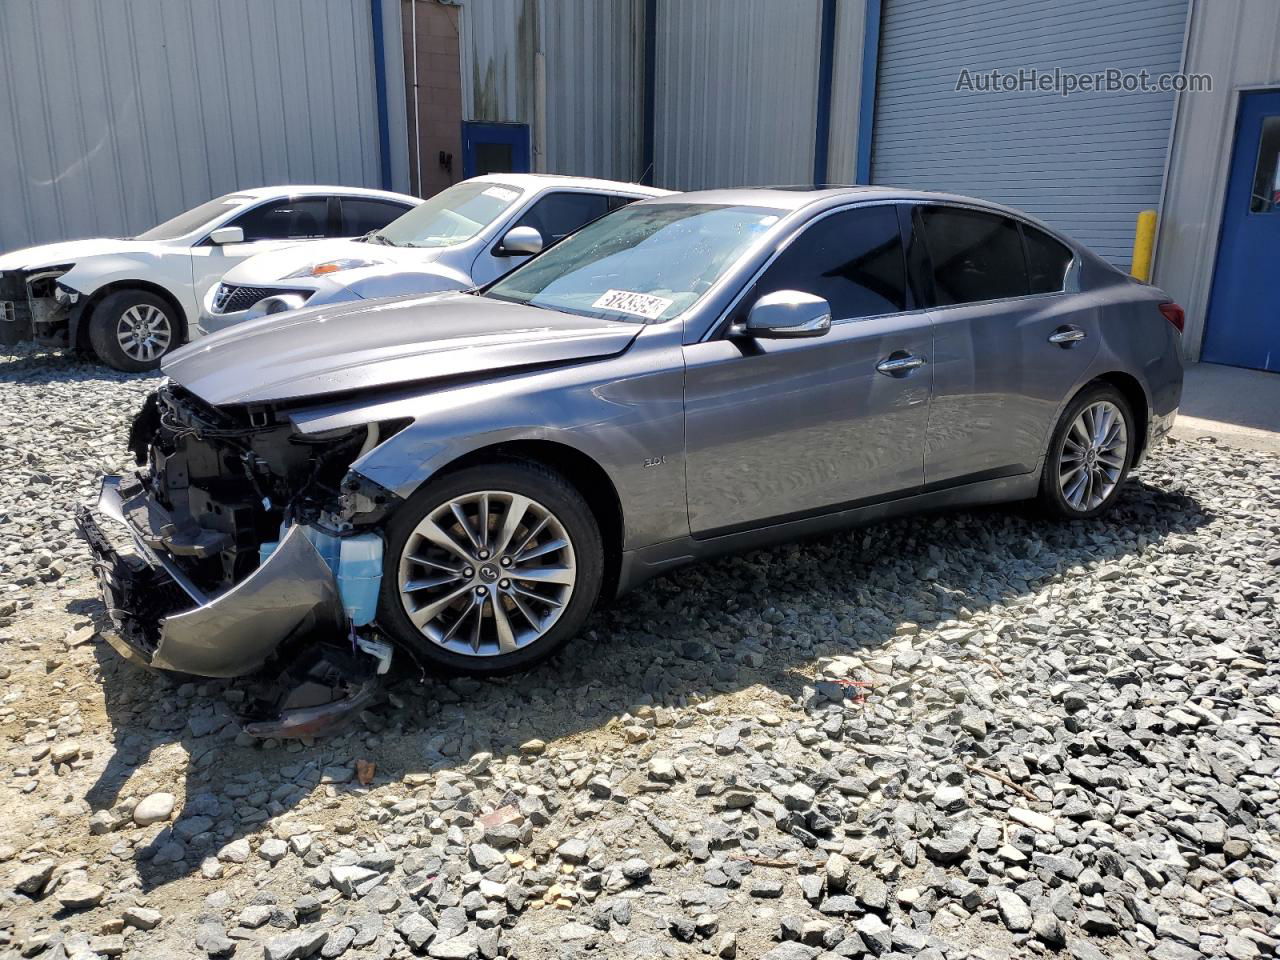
{"type": "Point", "coordinates": [367, 346]}
{"type": "Point", "coordinates": [273, 266]}
{"type": "Point", "coordinates": [70, 251]}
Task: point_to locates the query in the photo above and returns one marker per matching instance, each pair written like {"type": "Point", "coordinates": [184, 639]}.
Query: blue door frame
{"type": "Point", "coordinates": [494, 148]}
{"type": "Point", "coordinates": [1242, 326]}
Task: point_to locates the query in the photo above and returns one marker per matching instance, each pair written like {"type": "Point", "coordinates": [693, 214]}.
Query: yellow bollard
{"type": "Point", "coordinates": [1144, 242]}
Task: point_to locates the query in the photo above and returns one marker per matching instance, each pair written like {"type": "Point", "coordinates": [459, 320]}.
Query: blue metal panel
{"type": "Point", "coordinates": [1087, 163]}
{"type": "Point", "coordinates": [1244, 318]}
{"type": "Point", "coordinates": [870, 68]}
{"type": "Point", "coordinates": [475, 135]}
{"type": "Point", "coordinates": [822, 123]}
{"type": "Point", "coordinates": [380, 85]}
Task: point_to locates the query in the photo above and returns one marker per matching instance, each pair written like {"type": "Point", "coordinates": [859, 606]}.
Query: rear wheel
{"type": "Point", "coordinates": [1089, 455]}
{"type": "Point", "coordinates": [490, 569]}
{"type": "Point", "coordinates": [133, 330]}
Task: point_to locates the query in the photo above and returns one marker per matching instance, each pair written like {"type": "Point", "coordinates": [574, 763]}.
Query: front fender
{"type": "Point", "coordinates": [625, 413]}
{"type": "Point", "coordinates": [169, 274]}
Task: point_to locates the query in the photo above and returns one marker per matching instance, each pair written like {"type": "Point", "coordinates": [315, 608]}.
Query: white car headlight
{"type": "Point", "coordinates": [330, 266]}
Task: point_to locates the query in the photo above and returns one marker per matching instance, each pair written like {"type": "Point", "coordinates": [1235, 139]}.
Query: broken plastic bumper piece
{"type": "Point", "coordinates": [166, 621]}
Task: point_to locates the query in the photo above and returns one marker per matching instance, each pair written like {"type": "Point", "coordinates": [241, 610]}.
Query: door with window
{"type": "Point", "coordinates": [1009, 340]}
{"type": "Point", "coordinates": [362, 215]}
{"type": "Point", "coordinates": [1243, 323]}
{"type": "Point", "coordinates": [268, 226]}
{"type": "Point", "coordinates": [777, 429]}
{"type": "Point", "coordinates": [494, 148]}
{"type": "Point", "coordinates": [554, 215]}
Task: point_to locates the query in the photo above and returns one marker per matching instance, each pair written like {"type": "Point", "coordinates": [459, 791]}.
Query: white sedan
{"type": "Point", "coordinates": [466, 235]}
{"type": "Point", "coordinates": [132, 300]}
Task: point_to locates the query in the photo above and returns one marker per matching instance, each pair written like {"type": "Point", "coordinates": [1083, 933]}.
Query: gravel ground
{"type": "Point", "coordinates": [971, 735]}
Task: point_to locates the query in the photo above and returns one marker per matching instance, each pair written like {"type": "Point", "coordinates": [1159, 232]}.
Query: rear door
{"type": "Point", "coordinates": [1010, 341]}
{"type": "Point", "coordinates": [268, 226]}
{"type": "Point", "coordinates": [555, 215]}
{"type": "Point", "coordinates": [777, 429]}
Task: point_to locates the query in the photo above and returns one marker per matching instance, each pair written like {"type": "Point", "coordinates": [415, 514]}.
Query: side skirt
{"type": "Point", "coordinates": [648, 562]}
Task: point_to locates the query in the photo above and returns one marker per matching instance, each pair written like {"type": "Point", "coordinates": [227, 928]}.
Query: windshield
{"type": "Point", "coordinates": [451, 216]}
{"type": "Point", "coordinates": [195, 218]}
{"type": "Point", "coordinates": [644, 263]}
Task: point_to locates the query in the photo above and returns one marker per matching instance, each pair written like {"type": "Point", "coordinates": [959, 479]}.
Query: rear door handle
{"type": "Point", "coordinates": [896, 364]}
{"type": "Point", "coordinates": [1067, 335]}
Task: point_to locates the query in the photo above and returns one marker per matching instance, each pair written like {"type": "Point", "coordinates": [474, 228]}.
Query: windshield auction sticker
{"type": "Point", "coordinates": [638, 304]}
{"type": "Point", "coordinates": [502, 193]}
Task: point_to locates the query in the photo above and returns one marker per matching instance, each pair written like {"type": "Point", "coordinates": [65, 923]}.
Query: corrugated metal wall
{"type": "Point", "coordinates": [1237, 42]}
{"type": "Point", "coordinates": [1086, 164]}
{"type": "Point", "coordinates": [594, 71]}
{"type": "Point", "coordinates": [846, 91]}
{"type": "Point", "coordinates": [736, 92]}
{"type": "Point", "coordinates": [116, 114]}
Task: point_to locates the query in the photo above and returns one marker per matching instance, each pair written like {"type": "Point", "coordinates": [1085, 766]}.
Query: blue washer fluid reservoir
{"type": "Point", "coordinates": [360, 576]}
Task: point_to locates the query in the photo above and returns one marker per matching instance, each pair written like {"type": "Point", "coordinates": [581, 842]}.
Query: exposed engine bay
{"type": "Point", "coordinates": [255, 555]}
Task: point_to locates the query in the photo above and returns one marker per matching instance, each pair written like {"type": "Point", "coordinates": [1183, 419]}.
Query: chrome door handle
{"type": "Point", "coordinates": [894, 365]}
{"type": "Point", "coordinates": [1065, 335]}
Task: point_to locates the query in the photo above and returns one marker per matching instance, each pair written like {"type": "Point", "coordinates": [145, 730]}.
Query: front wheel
{"type": "Point", "coordinates": [490, 569]}
{"type": "Point", "coordinates": [1090, 454]}
{"type": "Point", "coordinates": [132, 330]}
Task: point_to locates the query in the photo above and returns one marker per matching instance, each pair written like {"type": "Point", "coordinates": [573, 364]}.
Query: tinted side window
{"type": "Point", "coordinates": [301, 219]}
{"type": "Point", "coordinates": [360, 216]}
{"type": "Point", "coordinates": [1047, 261]}
{"type": "Point", "coordinates": [852, 259]}
{"type": "Point", "coordinates": [976, 256]}
{"type": "Point", "coordinates": [559, 214]}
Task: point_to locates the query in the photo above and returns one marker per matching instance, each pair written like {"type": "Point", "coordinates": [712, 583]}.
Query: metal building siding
{"type": "Point", "coordinates": [846, 91]}
{"type": "Point", "coordinates": [594, 55]}
{"type": "Point", "coordinates": [1237, 42]}
{"type": "Point", "coordinates": [593, 64]}
{"type": "Point", "coordinates": [121, 113]}
{"type": "Point", "coordinates": [736, 92]}
{"type": "Point", "coordinates": [1086, 164]}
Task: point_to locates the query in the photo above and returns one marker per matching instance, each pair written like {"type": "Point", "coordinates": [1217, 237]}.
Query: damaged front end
{"type": "Point", "coordinates": [243, 549]}
{"type": "Point", "coordinates": [35, 306]}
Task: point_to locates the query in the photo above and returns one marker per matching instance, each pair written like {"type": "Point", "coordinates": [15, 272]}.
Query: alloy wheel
{"type": "Point", "coordinates": [144, 332]}
{"type": "Point", "coordinates": [487, 573]}
{"type": "Point", "coordinates": [1094, 451]}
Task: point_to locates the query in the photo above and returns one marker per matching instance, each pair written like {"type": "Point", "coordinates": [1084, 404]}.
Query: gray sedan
{"type": "Point", "coordinates": [456, 480]}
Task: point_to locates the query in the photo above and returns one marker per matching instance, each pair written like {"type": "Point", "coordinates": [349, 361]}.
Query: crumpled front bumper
{"type": "Point", "coordinates": [166, 621]}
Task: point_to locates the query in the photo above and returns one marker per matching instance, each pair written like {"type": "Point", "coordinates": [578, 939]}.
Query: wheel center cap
{"type": "Point", "coordinates": [488, 572]}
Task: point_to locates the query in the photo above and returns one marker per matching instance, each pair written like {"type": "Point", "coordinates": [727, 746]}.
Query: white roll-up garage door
{"type": "Point", "coordinates": [1086, 163]}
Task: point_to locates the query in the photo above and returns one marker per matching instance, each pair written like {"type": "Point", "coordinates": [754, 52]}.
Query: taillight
{"type": "Point", "coordinates": [1174, 314]}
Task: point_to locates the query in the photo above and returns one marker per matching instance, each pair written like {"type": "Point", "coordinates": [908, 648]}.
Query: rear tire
{"type": "Point", "coordinates": [133, 330]}
{"type": "Point", "coordinates": [1090, 454]}
{"type": "Point", "coordinates": [491, 569]}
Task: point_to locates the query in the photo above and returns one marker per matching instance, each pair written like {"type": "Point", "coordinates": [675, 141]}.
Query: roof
{"type": "Point", "coordinates": [288, 189]}
{"type": "Point", "coordinates": [529, 181]}
{"type": "Point", "coordinates": [792, 198]}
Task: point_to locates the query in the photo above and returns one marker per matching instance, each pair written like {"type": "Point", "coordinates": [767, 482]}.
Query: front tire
{"type": "Point", "coordinates": [491, 569]}
{"type": "Point", "coordinates": [1090, 455]}
{"type": "Point", "coordinates": [133, 330]}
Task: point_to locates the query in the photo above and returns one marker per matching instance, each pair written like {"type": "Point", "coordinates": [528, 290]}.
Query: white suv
{"type": "Point", "coordinates": [132, 300]}
{"type": "Point", "coordinates": [464, 236]}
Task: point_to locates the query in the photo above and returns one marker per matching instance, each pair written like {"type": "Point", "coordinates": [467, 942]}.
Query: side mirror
{"type": "Point", "coordinates": [786, 314]}
{"type": "Point", "coordinates": [225, 235]}
{"type": "Point", "coordinates": [520, 242]}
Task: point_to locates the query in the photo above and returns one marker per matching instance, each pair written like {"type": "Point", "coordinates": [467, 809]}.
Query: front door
{"type": "Point", "coordinates": [1243, 322]}
{"type": "Point", "coordinates": [777, 429]}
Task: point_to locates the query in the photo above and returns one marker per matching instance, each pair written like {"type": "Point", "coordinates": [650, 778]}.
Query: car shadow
{"type": "Point", "coordinates": [758, 620]}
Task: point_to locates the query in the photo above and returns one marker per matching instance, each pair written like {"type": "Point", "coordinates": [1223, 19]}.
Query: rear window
{"type": "Point", "coordinates": [359, 216]}
{"type": "Point", "coordinates": [1047, 261]}
{"type": "Point", "coordinates": [976, 256]}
